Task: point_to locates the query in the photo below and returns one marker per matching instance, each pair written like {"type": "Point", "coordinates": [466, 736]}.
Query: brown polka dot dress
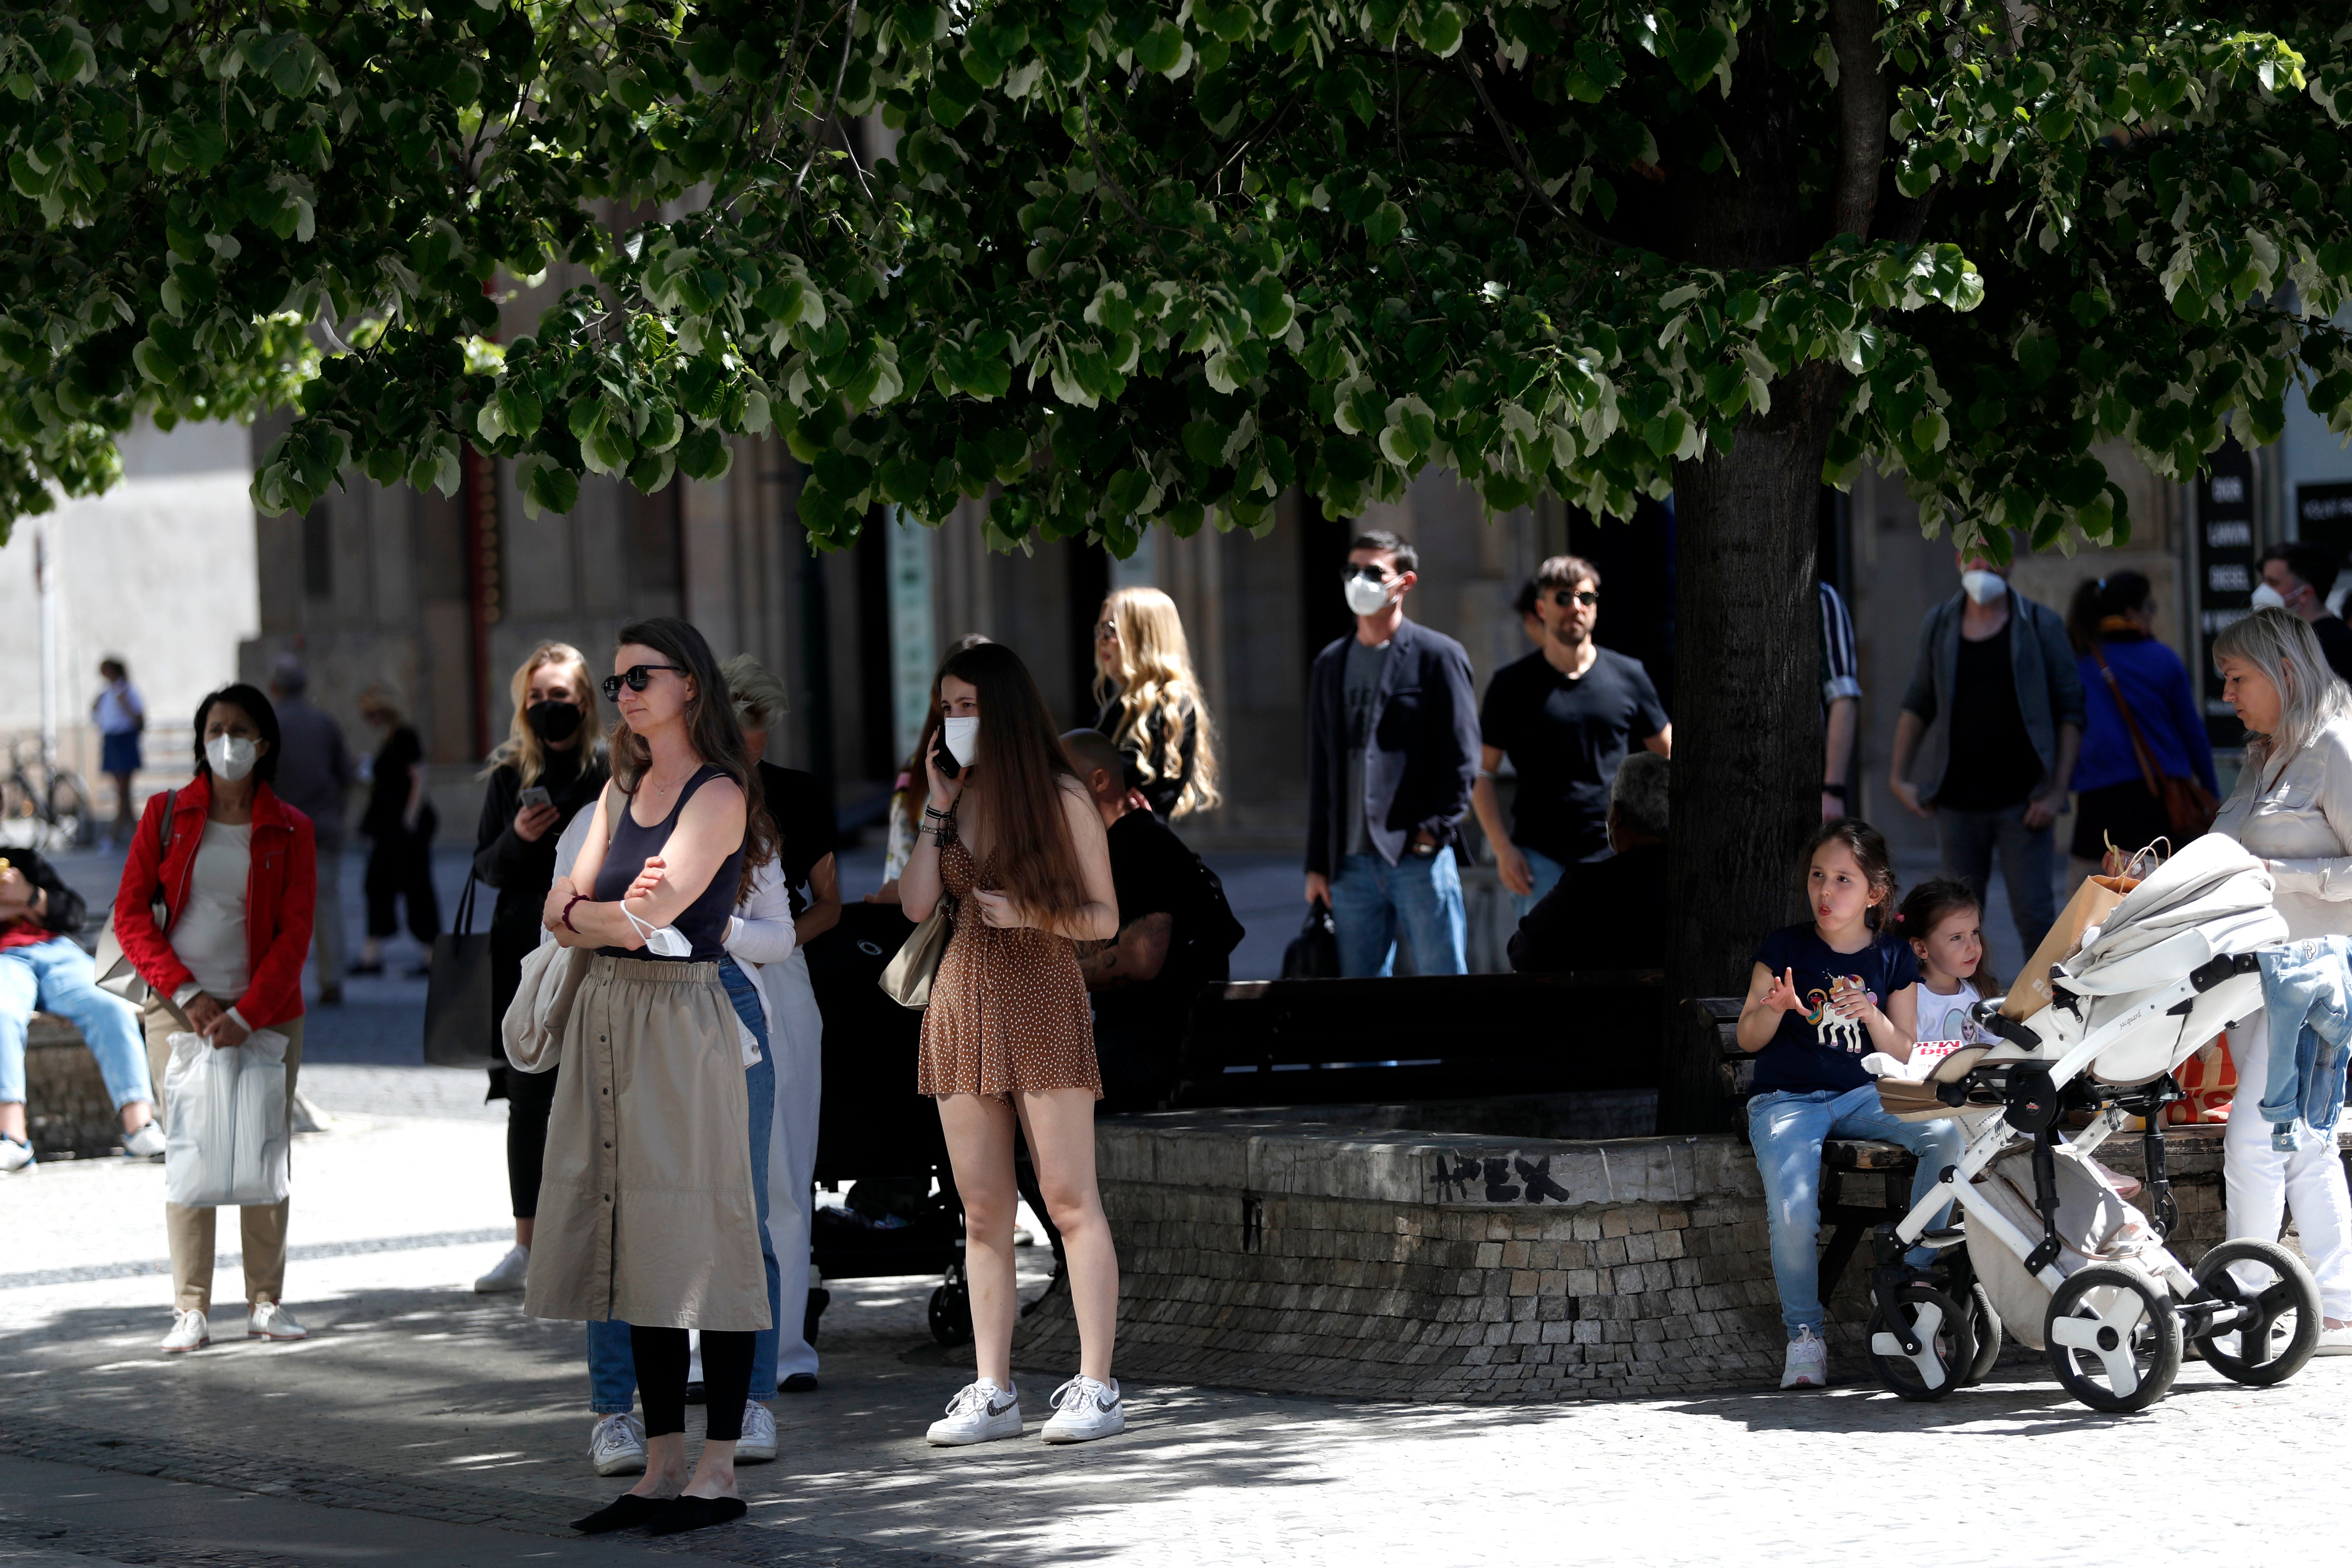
{"type": "Point", "coordinates": [1008, 1008]}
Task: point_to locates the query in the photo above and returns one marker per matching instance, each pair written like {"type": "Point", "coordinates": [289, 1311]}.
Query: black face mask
{"type": "Point", "coordinates": [554, 723]}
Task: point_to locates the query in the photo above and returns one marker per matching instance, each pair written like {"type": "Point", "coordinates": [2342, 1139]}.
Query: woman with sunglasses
{"type": "Point", "coordinates": [650, 1206]}
{"type": "Point", "coordinates": [1011, 839]}
{"type": "Point", "coordinates": [1566, 715]}
{"type": "Point", "coordinates": [1152, 706]}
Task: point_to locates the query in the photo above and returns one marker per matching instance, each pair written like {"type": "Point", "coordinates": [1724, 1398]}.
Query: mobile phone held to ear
{"type": "Point", "coordinates": [535, 796]}
{"type": "Point", "coordinates": [943, 759]}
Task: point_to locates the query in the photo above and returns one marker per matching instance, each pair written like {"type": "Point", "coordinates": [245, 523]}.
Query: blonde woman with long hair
{"type": "Point", "coordinates": [2293, 807]}
{"type": "Point", "coordinates": [1152, 708]}
{"type": "Point", "coordinates": [549, 768]}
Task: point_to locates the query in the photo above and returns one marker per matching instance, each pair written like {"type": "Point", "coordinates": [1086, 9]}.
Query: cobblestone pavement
{"type": "Point", "coordinates": [423, 1424]}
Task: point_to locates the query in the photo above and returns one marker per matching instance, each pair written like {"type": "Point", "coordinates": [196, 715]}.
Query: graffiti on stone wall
{"type": "Point", "coordinates": [1497, 1179]}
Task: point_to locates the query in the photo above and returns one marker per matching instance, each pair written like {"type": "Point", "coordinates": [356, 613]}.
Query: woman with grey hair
{"type": "Point", "coordinates": [2293, 807]}
{"type": "Point", "coordinates": [1610, 913]}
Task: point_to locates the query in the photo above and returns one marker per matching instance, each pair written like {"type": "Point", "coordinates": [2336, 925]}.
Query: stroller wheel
{"type": "Point", "coordinates": [1985, 1324]}
{"type": "Point", "coordinates": [2285, 1328]}
{"type": "Point", "coordinates": [1947, 1344]}
{"type": "Point", "coordinates": [951, 1313]}
{"type": "Point", "coordinates": [2114, 1338]}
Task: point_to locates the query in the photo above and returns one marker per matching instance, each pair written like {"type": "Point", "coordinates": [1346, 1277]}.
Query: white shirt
{"type": "Point", "coordinates": [2299, 818]}
{"type": "Point", "coordinates": [1942, 1018]}
{"type": "Point", "coordinates": [120, 708]}
{"type": "Point", "coordinates": [209, 936]}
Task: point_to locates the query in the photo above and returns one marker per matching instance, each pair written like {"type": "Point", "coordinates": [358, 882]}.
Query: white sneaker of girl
{"type": "Point", "coordinates": [980, 1413]}
{"type": "Point", "coordinates": [1084, 1410]}
{"type": "Point", "coordinates": [1809, 1362]}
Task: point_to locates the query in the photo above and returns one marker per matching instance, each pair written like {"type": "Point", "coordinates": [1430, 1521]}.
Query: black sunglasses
{"type": "Point", "coordinates": [1369, 571]}
{"type": "Point", "coordinates": [1567, 596]}
{"type": "Point", "coordinates": [636, 676]}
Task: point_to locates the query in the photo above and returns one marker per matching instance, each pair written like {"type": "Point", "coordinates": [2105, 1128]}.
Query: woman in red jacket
{"type": "Point", "coordinates": [237, 871]}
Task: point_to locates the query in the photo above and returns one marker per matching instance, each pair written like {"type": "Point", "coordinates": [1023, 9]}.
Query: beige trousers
{"type": "Point", "coordinates": [191, 1230]}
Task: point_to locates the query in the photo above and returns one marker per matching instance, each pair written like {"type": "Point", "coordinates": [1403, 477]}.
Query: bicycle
{"type": "Point", "coordinates": [44, 805]}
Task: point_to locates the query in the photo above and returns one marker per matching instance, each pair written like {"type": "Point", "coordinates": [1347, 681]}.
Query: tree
{"type": "Point", "coordinates": [1126, 264]}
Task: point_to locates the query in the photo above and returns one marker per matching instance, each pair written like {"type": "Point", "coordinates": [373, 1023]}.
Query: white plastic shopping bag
{"type": "Point", "coordinates": [224, 1137]}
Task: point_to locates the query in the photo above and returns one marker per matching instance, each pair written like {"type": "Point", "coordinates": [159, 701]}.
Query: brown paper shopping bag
{"type": "Point", "coordinates": [2089, 905]}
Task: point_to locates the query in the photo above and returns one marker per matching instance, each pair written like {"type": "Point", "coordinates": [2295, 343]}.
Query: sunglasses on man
{"type": "Point", "coordinates": [635, 677]}
{"type": "Point", "coordinates": [1567, 596]}
{"type": "Point", "coordinates": [1369, 571]}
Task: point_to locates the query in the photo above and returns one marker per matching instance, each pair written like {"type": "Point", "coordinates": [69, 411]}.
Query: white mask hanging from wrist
{"type": "Point", "coordinates": [662, 942]}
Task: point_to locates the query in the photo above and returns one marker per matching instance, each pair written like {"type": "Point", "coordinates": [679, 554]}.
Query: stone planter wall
{"type": "Point", "coordinates": [67, 1112]}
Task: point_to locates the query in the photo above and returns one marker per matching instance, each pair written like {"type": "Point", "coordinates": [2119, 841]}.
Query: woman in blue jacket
{"type": "Point", "coordinates": [2111, 624]}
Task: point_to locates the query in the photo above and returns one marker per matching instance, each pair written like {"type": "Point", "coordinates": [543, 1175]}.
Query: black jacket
{"type": "Point", "coordinates": [522, 872]}
{"type": "Point", "coordinates": [1604, 914]}
{"type": "Point", "coordinates": [1424, 756]}
{"type": "Point", "coordinates": [65, 909]}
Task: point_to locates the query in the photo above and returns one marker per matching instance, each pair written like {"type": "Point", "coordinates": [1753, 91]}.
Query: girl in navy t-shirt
{"type": "Point", "coordinates": [1822, 997]}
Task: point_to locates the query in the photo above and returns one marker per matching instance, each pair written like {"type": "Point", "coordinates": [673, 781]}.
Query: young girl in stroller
{"type": "Point", "coordinates": [1821, 997]}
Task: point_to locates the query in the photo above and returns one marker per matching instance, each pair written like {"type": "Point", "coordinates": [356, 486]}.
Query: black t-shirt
{"type": "Point", "coordinates": [802, 809]}
{"type": "Point", "coordinates": [2336, 644]}
{"type": "Point", "coordinates": [1817, 1049]}
{"type": "Point", "coordinates": [1154, 873]}
{"type": "Point", "coordinates": [1993, 763]}
{"type": "Point", "coordinates": [388, 782]}
{"type": "Point", "coordinates": [1566, 737]}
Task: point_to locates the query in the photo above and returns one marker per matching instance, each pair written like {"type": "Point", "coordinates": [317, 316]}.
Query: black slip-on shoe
{"type": "Point", "coordinates": [695, 1513]}
{"type": "Point", "coordinates": [623, 1513]}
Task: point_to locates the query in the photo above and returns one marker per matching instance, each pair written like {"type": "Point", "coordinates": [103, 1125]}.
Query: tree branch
{"type": "Point", "coordinates": [1862, 114]}
{"type": "Point", "coordinates": [1533, 181]}
{"type": "Point", "coordinates": [816, 133]}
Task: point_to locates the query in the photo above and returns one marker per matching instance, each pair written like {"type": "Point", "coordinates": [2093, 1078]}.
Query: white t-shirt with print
{"type": "Point", "coordinates": [1942, 1018]}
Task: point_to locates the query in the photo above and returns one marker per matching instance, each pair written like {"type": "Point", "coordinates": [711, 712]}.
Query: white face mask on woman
{"type": "Point", "coordinates": [962, 738]}
{"type": "Point", "coordinates": [231, 756]}
{"type": "Point", "coordinates": [1983, 586]}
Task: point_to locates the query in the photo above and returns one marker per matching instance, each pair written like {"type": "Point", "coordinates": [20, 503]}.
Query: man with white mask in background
{"type": "Point", "coordinates": [2297, 578]}
{"type": "Point", "coordinates": [1988, 736]}
{"type": "Point", "coordinates": [1392, 753]}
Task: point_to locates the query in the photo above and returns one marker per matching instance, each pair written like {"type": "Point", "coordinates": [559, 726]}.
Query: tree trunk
{"type": "Point", "coordinates": [1748, 720]}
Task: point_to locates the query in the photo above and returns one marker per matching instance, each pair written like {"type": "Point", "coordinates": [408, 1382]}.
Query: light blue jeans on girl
{"type": "Point", "coordinates": [612, 1366]}
{"type": "Point", "coordinates": [56, 976]}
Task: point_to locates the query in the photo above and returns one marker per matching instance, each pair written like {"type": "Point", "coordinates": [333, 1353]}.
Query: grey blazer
{"type": "Point", "coordinates": [2049, 686]}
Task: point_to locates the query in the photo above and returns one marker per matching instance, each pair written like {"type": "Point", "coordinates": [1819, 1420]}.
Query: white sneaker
{"type": "Point", "coordinates": [757, 1443]}
{"type": "Point", "coordinates": [271, 1322]}
{"type": "Point", "coordinates": [508, 1274]}
{"type": "Point", "coordinates": [189, 1332]}
{"type": "Point", "coordinates": [147, 1144]}
{"type": "Point", "coordinates": [617, 1446]}
{"type": "Point", "coordinates": [2334, 1342]}
{"type": "Point", "coordinates": [978, 1412]}
{"type": "Point", "coordinates": [1809, 1362]}
{"type": "Point", "coordinates": [15, 1153]}
{"type": "Point", "coordinates": [1084, 1410]}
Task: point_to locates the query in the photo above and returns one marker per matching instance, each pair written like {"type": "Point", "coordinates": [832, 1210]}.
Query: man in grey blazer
{"type": "Point", "coordinates": [1988, 737]}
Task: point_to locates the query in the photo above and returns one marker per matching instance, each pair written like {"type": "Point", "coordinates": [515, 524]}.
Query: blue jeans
{"type": "Point", "coordinates": [612, 1365]}
{"type": "Point", "coordinates": [1788, 1128]}
{"type": "Point", "coordinates": [56, 976]}
{"type": "Point", "coordinates": [2029, 866]}
{"type": "Point", "coordinates": [1373, 902]}
{"type": "Point", "coordinates": [2307, 992]}
{"type": "Point", "coordinates": [1545, 871]}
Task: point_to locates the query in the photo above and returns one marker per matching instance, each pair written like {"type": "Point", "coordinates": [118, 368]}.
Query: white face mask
{"type": "Point", "coordinates": [1983, 586]}
{"type": "Point", "coordinates": [1367, 597]}
{"type": "Point", "coordinates": [963, 737]}
{"type": "Point", "coordinates": [662, 942]}
{"type": "Point", "coordinates": [2266, 598]}
{"type": "Point", "coordinates": [231, 756]}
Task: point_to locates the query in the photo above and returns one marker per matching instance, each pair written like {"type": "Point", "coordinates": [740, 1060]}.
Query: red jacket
{"type": "Point", "coordinates": [281, 897]}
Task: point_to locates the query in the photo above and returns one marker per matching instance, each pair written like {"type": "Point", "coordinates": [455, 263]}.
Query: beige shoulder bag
{"type": "Point", "coordinates": [908, 978]}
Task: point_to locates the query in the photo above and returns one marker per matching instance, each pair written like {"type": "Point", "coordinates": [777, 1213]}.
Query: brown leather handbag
{"type": "Point", "coordinates": [2188, 807]}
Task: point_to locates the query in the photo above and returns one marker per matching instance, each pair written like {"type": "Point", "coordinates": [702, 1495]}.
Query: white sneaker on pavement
{"type": "Point", "coordinates": [15, 1153]}
{"type": "Point", "coordinates": [508, 1274]}
{"type": "Point", "coordinates": [1084, 1410]}
{"type": "Point", "coordinates": [617, 1446]}
{"type": "Point", "coordinates": [1809, 1362]}
{"type": "Point", "coordinates": [978, 1412]}
{"type": "Point", "coordinates": [147, 1144]}
{"type": "Point", "coordinates": [2334, 1342]}
{"type": "Point", "coordinates": [189, 1332]}
{"type": "Point", "coordinates": [271, 1322]}
{"type": "Point", "coordinates": [757, 1443]}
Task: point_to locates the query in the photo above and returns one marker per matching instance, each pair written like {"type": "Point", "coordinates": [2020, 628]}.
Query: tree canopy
{"type": "Point", "coordinates": [1136, 262]}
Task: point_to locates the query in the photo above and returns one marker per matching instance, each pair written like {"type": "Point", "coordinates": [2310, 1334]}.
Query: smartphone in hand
{"type": "Point", "coordinates": [536, 796]}
{"type": "Point", "coordinates": [942, 758]}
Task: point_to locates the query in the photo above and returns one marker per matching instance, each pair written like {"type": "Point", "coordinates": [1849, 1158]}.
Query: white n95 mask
{"type": "Point", "coordinates": [1983, 586]}
{"type": "Point", "coordinates": [2266, 598]}
{"type": "Point", "coordinates": [231, 756]}
{"type": "Point", "coordinates": [1365, 597]}
{"type": "Point", "coordinates": [962, 738]}
{"type": "Point", "coordinates": [662, 942]}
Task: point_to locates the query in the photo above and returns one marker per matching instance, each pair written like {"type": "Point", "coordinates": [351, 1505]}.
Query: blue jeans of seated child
{"type": "Point", "coordinates": [612, 1365]}
{"type": "Point", "coordinates": [1787, 1129]}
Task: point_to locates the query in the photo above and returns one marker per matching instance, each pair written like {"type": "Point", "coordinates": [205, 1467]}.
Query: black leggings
{"type": "Point", "coordinates": [661, 1356]}
{"type": "Point", "coordinates": [400, 871]}
{"type": "Point", "coordinates": [530, 1096]}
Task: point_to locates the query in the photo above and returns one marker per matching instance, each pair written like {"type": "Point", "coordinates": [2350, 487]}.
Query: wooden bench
{"type": "Point", "coordinates": [1865, 1182]}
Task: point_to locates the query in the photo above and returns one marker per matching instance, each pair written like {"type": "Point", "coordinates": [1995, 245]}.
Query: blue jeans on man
{"type": "Point", "coordinates": [56, 976]}
{"type": "Point", "coordinates": [1418, 898]}
{"type": "Point", "coordinates": [1788, 1128]}
{"type": "Point", "coordinates": [1970, 839]}
{"type": "Point", "coordinates": [612, 1365]}
{"type": "Point", "coordinates": [1542, 870]}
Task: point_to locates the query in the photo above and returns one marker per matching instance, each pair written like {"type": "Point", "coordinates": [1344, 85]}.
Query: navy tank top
{"type": "Point", "coordinates": [704, 921]}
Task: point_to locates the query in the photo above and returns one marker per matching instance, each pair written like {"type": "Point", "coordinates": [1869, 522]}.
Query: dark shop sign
{"type": "Point", "coordinates": [2225, 575]}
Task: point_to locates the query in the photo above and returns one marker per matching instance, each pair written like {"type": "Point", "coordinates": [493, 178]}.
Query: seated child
{"type": "Point", "coordinates": [1943, 923]}
{"type": "Point", "coordinates": [1822, 996]}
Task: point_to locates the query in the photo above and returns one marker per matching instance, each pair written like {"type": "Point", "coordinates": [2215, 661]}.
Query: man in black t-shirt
{"type": "Point", "coordinates": [1169, 942]}
{"type": "Point", "coordinates": [1566, 715]}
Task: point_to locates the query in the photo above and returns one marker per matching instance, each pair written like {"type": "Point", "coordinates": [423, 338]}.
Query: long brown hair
{"type": "Point", "coordinates": [917, 785]}
{"type": "Point", "coordinates": [1022, 752]}
{"type": "Point", "coordinates": [710, 730]}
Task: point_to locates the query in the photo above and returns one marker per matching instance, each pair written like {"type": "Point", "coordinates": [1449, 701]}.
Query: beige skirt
{"type": "Point", "coordinates": [645, 1207]}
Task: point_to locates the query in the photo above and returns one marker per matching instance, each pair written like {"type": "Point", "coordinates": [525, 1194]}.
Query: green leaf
{"type": "Point", "coordinates": [556, 489]}
{"type": "Point", "coordinates": [705, 454]}
{"type": "Point", "coordinates": [1383, 224]}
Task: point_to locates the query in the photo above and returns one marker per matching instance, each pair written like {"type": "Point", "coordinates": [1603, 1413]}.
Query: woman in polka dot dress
{"type": "Point", "coordinates": [1012, 840]}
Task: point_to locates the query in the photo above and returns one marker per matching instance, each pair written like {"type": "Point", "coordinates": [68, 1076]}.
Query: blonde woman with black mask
{"type": "Point", "coordinates": [1151, 704]}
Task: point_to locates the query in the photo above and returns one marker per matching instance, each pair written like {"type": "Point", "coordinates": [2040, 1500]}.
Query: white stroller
{"type": "Point", "coordinates": [2048, 1244]}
